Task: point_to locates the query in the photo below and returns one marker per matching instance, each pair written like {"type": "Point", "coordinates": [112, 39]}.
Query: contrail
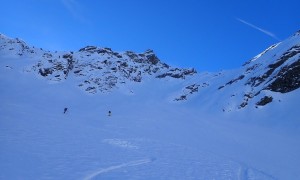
{"type": "Point", "coordinates": [74, 9]}
{"type": "Point", "coordinates": [259, 29]}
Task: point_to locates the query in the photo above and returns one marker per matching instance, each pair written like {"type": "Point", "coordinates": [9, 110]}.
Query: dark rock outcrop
{"type": "Point", "coordinates": [177, 73]}
{"type": "Point", "coordinates": [265, 100]}
{"type": "Point", "coordinates": [287, 80]}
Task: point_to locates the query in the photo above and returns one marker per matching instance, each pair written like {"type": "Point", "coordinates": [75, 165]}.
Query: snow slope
{"type": "Point", "coordinates": [150, 134]}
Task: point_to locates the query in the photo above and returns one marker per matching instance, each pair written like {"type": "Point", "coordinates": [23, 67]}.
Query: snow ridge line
{"type": "Point", "coordinates": [111, 168]}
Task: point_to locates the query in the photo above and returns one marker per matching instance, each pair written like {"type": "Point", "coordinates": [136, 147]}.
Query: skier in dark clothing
{"type": "Point", "coordinates": [109, 113]}
{"type": "Point", "coordinates": [65, 110]}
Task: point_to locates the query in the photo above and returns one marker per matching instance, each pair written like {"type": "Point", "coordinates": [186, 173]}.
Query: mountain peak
{"type": "Point", "coordinates": [95, 69]}
{"type": "Point", "coordinates": [94, 49]}
{"type": "Point", "coordinates": [297, 33]}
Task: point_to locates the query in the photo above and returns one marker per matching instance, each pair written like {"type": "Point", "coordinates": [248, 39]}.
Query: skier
{"type": "Point", "coordinates": [109, 113]}
{"type": "Point", "coordinates": [65, 110]}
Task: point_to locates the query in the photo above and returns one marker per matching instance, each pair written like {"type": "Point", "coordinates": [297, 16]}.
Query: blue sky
{"type": "Point", "coordinates": [208, 35]}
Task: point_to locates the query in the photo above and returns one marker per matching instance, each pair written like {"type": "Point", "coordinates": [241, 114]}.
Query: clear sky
{"type": "Point", "coordinates": [209, 35]}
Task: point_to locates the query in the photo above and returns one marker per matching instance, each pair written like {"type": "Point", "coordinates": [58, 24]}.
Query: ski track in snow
{"type": "Point", "coordinates": [243, 173]}
{"type": "Point", "coordinates": [111, 168]}
{"type": "Point", "coordinates": [246, 173]}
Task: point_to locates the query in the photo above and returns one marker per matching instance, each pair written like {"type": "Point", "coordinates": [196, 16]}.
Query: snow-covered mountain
{"type": "Point", "coordinates": [102, 70]}
{"type": "Point", "coordinates": [275, 70]}
{"type": "Point", "coordinates": [97, 70]}
{"type": "Point", "coordinates": [167, 122]}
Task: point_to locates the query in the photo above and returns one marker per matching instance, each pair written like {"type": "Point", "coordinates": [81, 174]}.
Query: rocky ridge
{"type": "Point", "coordinates": [276, 70]}
{"type": "Point", "coordinates": [97, 69]}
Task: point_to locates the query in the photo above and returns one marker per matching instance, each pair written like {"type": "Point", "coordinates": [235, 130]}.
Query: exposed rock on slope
{"type": "Point", "coordinates": [102, 70]}
{"type": "Point", "coordinates": [274, 70]}
{"type": "Point", "coordinates": [96, 69]}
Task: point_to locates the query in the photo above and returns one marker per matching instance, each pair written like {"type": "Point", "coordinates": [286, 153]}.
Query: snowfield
{"type": "Point", "coordinates": [145, 138]}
